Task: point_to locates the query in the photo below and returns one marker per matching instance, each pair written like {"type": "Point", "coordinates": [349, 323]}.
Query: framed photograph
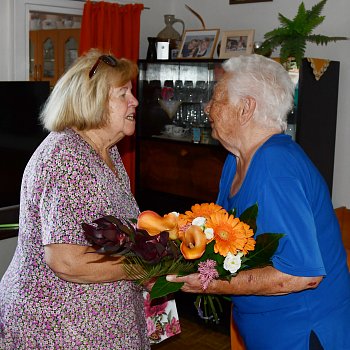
{"type": "Point", "coordinates": [198, 44]}
{"type": "Point", "coordinates": [234, 2]}
{"type": "Point", "coordinates": [236, 43]}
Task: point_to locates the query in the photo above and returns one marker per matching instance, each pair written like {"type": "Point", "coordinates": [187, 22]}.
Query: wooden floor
{"type": "Point", "coordinates": [195, 336]}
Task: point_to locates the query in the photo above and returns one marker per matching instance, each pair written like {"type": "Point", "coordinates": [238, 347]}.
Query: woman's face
{"type": "Point", "coordinates": [223, 115]}
{"type": "Point", "coordinates": [122, 110]}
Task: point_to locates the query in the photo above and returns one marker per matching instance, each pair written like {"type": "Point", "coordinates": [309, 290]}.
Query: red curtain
{"type": "Point", "coordinates": [115, 29]}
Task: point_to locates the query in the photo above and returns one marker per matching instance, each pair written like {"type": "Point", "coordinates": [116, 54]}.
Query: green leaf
{"type": "Point", "coordinates": [265, 247]}
{"type": "Point", "coordinates": [249, 216]}
{"type": "Point", "coordinates": [162, 288]}
{"type": "Point", "coordinates": [293, 35]}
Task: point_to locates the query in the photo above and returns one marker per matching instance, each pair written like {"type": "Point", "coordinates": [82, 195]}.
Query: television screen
{"type": "Point", "coordinates": [20, 132]}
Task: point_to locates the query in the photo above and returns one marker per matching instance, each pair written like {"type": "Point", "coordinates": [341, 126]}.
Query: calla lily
{"type": "Point", "coordinates": [151, 248]}
{"type": "Point", "coordinates": [110, 234]}
{"type": "Point", "coordinates": [153, 223]}
{"type": "Point", "coordinates": [194, 243]}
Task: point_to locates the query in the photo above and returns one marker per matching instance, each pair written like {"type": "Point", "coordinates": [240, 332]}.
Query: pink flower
{"type": "Point", "coordinates": [151, 327]}
{"type": "Point", "coordinates": [207, 272]}
{"type": "Point", "coordinates": [173, 327]}
{"type": "Point", "coordinates": [152, 309]}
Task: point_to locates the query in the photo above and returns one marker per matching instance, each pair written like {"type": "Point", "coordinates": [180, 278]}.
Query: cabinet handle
{"type": "Point", "coordinates": [183, 152]}
{"type": "Point", "coordinates": [35, 75]}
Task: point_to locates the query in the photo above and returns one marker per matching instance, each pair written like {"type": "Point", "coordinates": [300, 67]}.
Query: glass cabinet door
{"type": "Point", "coordinates": [51, 53]}
{"type": "Point", "coordinates": [70, 52]}
{"type": "Point", "coordinates": [49, 62]}
{"type": "Point", "coordinates": [173, 96]}
{"type": "Point", "coordinates": [68, 42]}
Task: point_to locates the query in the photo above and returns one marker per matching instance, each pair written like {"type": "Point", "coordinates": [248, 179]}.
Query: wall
{"type": "Point", "coordinates": [5, 38]}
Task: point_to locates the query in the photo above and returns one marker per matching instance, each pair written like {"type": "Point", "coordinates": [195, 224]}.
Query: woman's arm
{"type": "Point", "coordinates": [259, 281]}
{"type": "Point", "coordinates": [79, 264]}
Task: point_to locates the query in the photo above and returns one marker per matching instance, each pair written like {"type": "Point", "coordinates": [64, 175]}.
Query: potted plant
{"type": "Point", "coordinates": [293, 34]}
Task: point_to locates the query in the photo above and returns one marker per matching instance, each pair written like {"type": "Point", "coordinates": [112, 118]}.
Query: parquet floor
{"type": "Point", "coordinates": [195, 336]}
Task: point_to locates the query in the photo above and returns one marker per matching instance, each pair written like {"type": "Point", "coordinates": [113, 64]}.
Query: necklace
{"type": "Point", "coordinates": [103, 154]}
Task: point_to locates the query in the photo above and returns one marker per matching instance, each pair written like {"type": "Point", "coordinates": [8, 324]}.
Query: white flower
{"type": "Point", "coordinates": [233, 262]}
{"type": "Point", "coordinates": [175, 213]}
{"type": "Point", "coordinates": [209, 233]}
{"type": "Point", "coordinates": [199, 221]}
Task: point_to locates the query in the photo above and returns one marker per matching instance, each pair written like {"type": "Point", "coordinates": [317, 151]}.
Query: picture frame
{"type": "Point", "coordinates": [235, 2]}
{"type": "Point", "coordinates": [198, 44]}
{"type": "Point", "coordinates": [236, 43]}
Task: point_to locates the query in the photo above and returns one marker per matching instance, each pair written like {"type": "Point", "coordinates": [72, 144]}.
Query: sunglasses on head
{"type": "Point", "coordinates": [110, 60]}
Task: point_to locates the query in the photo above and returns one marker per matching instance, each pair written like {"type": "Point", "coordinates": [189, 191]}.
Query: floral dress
{"type": "Point", "coordinates": [64, 184]}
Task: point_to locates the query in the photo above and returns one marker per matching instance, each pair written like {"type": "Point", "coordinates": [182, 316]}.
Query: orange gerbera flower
{"type": "Point", "coordinates": [204, 210]}
{"type": "Point", "coordinates": [230, 234]}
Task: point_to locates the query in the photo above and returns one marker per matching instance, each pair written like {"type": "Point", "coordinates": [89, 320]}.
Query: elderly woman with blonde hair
{"type": "Point", "coordinates": [54, 294]}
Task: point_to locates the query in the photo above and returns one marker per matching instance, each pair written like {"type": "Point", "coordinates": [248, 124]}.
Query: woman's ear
{"type": "Point", "coordinates": [247, 109]}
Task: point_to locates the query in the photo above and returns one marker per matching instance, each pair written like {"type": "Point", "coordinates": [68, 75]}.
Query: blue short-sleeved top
{"type": "Point", "coordinates": [292, 199]}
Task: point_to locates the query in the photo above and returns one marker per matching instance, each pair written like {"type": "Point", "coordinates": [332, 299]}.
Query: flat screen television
{"type": "Point", "coordinates": [20, 132]}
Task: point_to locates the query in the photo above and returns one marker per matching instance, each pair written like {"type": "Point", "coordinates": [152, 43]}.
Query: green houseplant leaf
{"type": "Point", "coordinates": [293, 35]}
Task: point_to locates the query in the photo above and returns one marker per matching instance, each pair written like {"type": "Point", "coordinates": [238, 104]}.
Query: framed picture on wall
{"type": "Point", "coordinates": [236, 43]}
{"type": "Point", "coordinates": [198, 44]}
{"type": "Point", "coordinates": [234, 2]}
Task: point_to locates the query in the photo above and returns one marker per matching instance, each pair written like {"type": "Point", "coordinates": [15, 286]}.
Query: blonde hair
{"type": "Point", "coordinates": [81, 102]}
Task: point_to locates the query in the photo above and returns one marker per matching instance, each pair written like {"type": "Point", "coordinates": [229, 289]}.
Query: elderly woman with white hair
{"type": "Point", "coordinates": [303, 300]}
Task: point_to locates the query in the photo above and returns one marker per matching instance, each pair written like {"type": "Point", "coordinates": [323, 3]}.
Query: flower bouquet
{"type": "Point", "coordinates": [207, 239]}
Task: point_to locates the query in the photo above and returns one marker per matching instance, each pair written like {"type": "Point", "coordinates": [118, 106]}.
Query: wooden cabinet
{"type": "Point", "coordinates": [173, 172]}
{"type": "Point", "coordinates": [183, 172]}
{"type": "Point", "coordinates": [51, 53]}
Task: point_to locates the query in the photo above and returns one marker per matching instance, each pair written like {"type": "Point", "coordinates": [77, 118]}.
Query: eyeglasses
{"type": "Point", "coordinates": [110, 60]}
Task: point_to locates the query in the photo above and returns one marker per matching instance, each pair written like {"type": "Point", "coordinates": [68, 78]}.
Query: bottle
{"type": "Point", "coordinates": [152, 49]}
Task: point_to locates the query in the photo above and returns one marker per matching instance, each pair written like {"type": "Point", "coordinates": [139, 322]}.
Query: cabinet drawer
{"type": "Point", "coordinates": [182, 169]}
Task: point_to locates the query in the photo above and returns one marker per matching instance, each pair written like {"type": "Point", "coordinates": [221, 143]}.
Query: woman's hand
{"type": "Point", "coordinates": [191, 282]}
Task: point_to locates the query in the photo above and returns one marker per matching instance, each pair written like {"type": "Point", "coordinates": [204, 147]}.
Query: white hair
{"type": "Point", "coordinates": [267, 81]}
